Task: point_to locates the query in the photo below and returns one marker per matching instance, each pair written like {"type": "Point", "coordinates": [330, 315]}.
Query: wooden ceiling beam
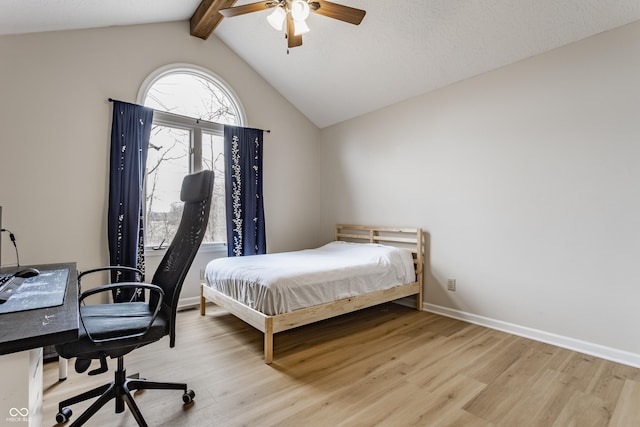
{"type": "Point", "coordinates": [206, 17]}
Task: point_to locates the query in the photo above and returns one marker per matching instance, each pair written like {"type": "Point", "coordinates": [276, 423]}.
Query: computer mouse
{"type": "Point", "coordinates": [27, 272]}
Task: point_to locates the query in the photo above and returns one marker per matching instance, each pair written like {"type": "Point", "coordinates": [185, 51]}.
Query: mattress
{"type": "Point", "coordinates": [282, 282]}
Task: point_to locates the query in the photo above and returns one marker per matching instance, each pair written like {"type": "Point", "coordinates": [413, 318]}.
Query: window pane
{"type": "Point", "coordinates": [213, 159]}
{"type": "Point", "coordinates": [192, 96]}
{"type": "Point", "coordinates": [167, 165]}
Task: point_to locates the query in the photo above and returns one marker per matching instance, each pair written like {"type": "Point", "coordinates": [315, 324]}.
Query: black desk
{"type": "Point", "coordinates": [24, 330]}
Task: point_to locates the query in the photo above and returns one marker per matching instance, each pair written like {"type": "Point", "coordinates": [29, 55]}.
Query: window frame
{"type": "Point", "coordinates": [194, 125]}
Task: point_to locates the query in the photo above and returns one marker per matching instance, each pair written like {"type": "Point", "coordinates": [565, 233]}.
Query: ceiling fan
{"type": "Point", "coordinates": [295, 12]}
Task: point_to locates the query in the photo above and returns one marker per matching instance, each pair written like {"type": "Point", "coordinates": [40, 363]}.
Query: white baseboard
{"type": "Point", "coordinates": [607, 353]}
{"type": "Point", "coordinates": [184, 303]}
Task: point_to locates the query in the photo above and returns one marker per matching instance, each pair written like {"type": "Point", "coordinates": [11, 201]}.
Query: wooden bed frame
{"type": "Point", "coordinates": [408, 238]}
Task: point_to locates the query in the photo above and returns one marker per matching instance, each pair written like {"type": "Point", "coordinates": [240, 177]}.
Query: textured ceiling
{"type": "Point", "coordinates": [401, 49]}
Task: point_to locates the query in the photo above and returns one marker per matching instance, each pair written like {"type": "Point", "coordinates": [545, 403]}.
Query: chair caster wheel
{"type": "Point", "coordinates": [188, 396]}
{"type": "Point", "coordinates": [63, 415]}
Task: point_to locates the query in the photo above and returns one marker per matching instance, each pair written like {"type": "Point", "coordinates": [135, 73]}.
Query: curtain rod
{"type": "Point", "coordinates": [197, 120]}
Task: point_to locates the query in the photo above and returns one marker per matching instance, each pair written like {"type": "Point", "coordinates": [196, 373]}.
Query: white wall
{"type": "Point", "coordinates": [55, 125]}
{"type": "Point", "coordinates": [527, 181]}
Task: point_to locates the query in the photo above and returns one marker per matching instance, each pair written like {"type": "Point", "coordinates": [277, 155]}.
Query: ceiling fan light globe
{"type": "Point", "coordinates": [300, 27]}
{"type": "Point", "coordinates": [276, 18]}
{"type": "Point", "coordinates": [299, 10]}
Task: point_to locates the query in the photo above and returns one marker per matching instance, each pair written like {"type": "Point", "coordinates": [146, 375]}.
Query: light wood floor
{"type": "Point", "coordinates": [385, 366]}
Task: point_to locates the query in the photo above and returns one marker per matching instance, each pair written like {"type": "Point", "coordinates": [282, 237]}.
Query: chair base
{"type": "Point", "coordinates": [119, 389]}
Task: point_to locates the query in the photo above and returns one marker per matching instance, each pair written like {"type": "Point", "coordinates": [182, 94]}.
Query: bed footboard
{"type": "Point", "coordinates": [270, 325]}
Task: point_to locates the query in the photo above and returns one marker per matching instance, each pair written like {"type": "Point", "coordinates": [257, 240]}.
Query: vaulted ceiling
{"type": "Point", "coordinates": [400, 50]}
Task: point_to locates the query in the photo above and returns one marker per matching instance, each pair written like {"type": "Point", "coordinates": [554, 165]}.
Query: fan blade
{"type": "Point", "coordinates": [292, 39]}
{"type": "Point", "coordinates": [247, 8]}
{"type": "Point", "coordinates": [337, 11]}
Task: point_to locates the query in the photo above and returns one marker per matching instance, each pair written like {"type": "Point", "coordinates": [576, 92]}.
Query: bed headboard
{"type": "Point", "coordinates": [407, 238]}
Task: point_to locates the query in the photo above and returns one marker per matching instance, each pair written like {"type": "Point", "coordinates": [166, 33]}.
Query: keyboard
{"type": "Point", "coordinates": [8, 285]}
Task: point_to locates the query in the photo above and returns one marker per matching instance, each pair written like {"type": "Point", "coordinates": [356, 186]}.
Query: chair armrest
{"type": "Point", "coordinates": [113, 268]}
{"type": "Point", "coordinates": [153, 288]}
{"type": "Point", "coordinates": [125, 285]}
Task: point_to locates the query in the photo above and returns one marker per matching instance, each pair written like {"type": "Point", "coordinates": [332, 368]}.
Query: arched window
{"type": "Point", "coordinates": [192, 105]}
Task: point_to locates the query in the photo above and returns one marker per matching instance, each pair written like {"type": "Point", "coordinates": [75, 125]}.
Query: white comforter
{"type": "Point", "coordinates": [282, 282]}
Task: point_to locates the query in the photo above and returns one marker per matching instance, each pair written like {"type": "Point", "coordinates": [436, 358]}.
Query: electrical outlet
{"type": "Point", "coordinates": [451, 285]}
{"type": "Point", "coordinates": [201, 274]}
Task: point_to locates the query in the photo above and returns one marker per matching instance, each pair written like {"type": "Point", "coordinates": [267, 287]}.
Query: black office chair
{"type": "Point", "coordinates": [116, 329]}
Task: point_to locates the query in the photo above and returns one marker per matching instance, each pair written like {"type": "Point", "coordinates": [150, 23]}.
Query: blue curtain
{"type": "Point", "coordinates": [130, 132]}
{"type": "Point", "coordinates": [243, 188]}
